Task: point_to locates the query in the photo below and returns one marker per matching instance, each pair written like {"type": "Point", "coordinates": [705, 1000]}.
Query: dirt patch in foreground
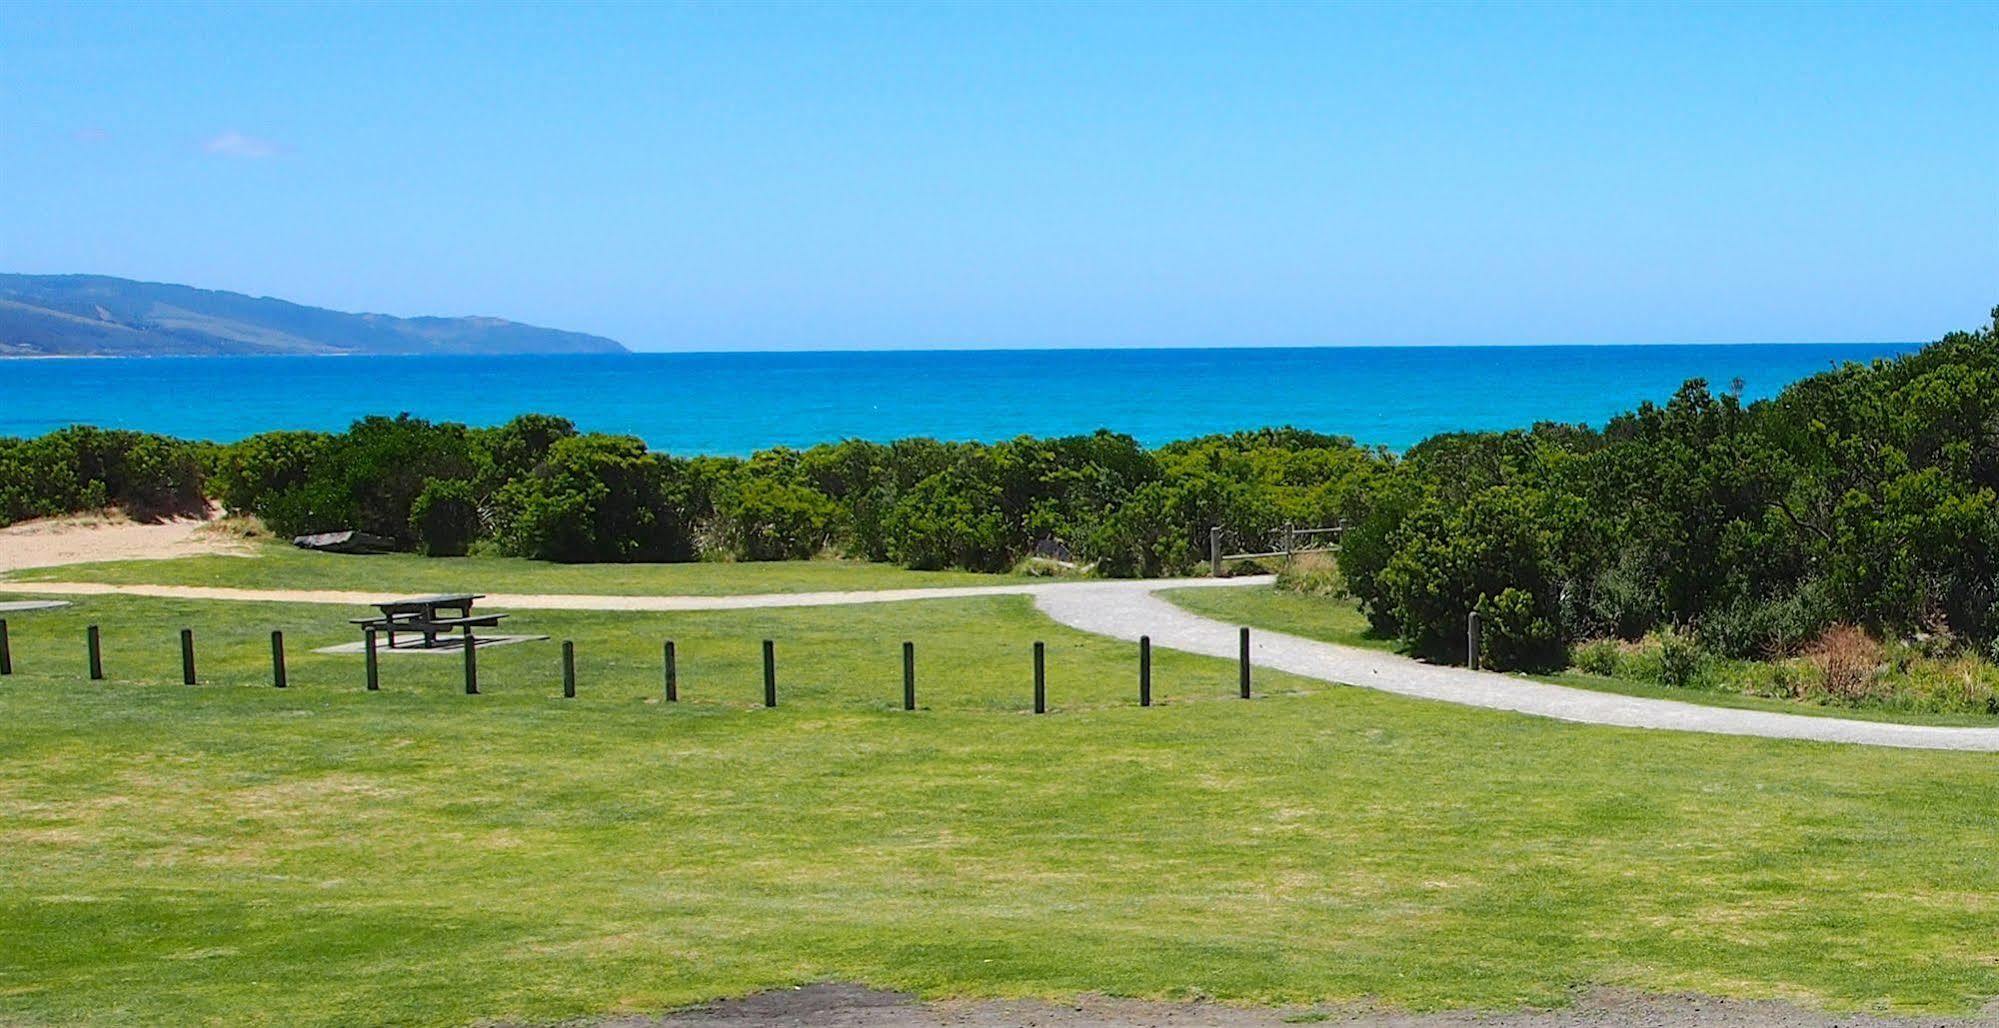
{"type": "Point", "coordinates": [852, 1006]}
{"type": "Point", "coordinates": [50, 542]}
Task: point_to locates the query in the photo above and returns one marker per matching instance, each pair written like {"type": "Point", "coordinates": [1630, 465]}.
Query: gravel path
{"type": "Point", "coordinates": [853, 1006]}
{"type": "Point", "coordinates": [1126, 611]}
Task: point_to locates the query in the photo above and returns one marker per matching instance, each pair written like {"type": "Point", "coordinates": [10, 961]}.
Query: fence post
{"type": "Point", "coordinates": [1472, 639]}
{"type": "Point", "coordinates": [1215, 551]}
{"type": "Point", "coordinates": [278, 680]}
{"type": "Point", "coordinates": [770, 673]}
{"type": "Point", "coordinates": [96, 647]}
{"type": "Point", "coordinates": [568, 670]}
{"type": "Point", "coordinates": [187, 656]}
{"type": "Point", "coordinates": [1040, 680]}
{"type": "Point", "coordinates": [672, 675]}
{"type": "Point", "coordinates": [471, 663]}
{"type": "Point", "coordinates": [374, 669]}
{"type": "Point", "coordinates": [1290, 535]}
{"type": "Point", "coordinates": [1145, 671]}
{"type": "Point", "coordinates": [6, 650]}
{"type": "Point", "coordinates": [908, 675]}
{"type": "Point", "coordinates": [1245, 663]}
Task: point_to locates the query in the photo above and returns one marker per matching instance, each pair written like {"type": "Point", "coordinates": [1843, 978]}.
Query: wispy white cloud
{"type": "Point", "coordinates": [243, 147]}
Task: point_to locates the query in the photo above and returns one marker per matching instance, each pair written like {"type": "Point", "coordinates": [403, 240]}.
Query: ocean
{"type": "Point", "coordinates": [713, 403]}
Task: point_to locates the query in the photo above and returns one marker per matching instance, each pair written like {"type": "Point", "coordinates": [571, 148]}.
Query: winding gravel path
{"type": "Point", "coordinates": [1129, 609]}
{"type": "Point", "coordinates": [1125, 611]}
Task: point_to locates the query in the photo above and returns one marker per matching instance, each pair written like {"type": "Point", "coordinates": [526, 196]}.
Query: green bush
{"type": "Point", "coordinates": [445, 518]}
{"type": "Point", "coordinates": [772, 520]}
{"type": "Point", "coordinates": [251, 474]}
{"type": "Point", "coordinates": [1598, 657]}
{"type": "Point", "coordinates": [1683, 664]}
{"type": "Point", "coordinates": [597, 498]}
{"type": "Point", "coordinates": [1516, 631]}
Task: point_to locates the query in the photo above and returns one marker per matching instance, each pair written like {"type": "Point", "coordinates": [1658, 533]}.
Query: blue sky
{"type": "Point", "coordinates": [804, 177]}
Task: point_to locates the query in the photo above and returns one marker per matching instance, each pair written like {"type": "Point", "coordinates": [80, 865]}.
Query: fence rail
{"type": "Point", "coordinates": [1289, 542]}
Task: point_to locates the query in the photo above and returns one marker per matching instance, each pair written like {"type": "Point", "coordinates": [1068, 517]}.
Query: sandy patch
{"type": "Point", "coordinates": [49, 542]}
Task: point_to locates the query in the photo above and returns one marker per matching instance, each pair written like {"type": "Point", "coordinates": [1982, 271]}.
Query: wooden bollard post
{"type": "Point", "coordinates": [187, 656]}
{"type": "Point", "coordinates": [278, 679]}
{"type": "Point", "coordinates": [471, 663]}
{"type": "Point", "coordinates": [95, 644]}
{"type": "Point", "coordinates": [672, 675]}
{"type": "Point", "coordinates": [770, 673]}
{"type": "Point", "coordinates": [1472, 640]}
{"type": "Point", "coordinates": [6, 650]}
{"type": "Point", "coordinates": [908, 675]}
{"type": "Point", "coordinates": [1215, 551]}
{"type": "Point", "coordinates": [568, 670]}
{"type": "Point", "coordinates": [1245, 663]}
{"type": "Point", "coordinates": [1040, 679]}
{"type": "Point", "coordinates": [1145, 671]}
{"type": "Point", "coordinates": [373, 663]}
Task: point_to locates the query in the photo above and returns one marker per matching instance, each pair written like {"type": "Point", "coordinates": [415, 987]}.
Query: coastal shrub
{"type": "Point", "coordinates": [1451, 560]}
{"type": "Point", "coordinates": [252, 473]}
{"type": "Point", "coordinates": [950, 520]}
{"type": "Point", "coordinates": [1682, 662]}
{"type": "Point", "coordinates": [445, 518]}
{"type": "Point", "coordinates": [1597, 657]}
{"type": "Point", "coordinates": [513, 450]}
{"type": "Point", "coordinates": [83, 468]}
{"type": "Point", "coordinates": [597, 498]}
{"type": "Point", "coordinates": [765, 519]}
{"type": "Point", "coordinates": [1516, 632]}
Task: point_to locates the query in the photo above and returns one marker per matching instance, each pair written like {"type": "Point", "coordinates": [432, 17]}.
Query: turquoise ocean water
{"type": "Point", "coordinates": [736, 403]}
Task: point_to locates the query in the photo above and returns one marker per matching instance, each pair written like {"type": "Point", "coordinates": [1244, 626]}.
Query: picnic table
{"type": "Point", "coordinates": [420, 615]}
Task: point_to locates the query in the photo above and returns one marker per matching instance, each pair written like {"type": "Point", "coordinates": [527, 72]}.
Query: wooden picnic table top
{"type": "Point", "coordinates": [428, 602]}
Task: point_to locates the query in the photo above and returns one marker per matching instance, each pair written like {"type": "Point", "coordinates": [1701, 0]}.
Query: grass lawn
{"type": "Point", "coordinates": [233, 852]}
{"type": "Point", "coordinates": [283, 566]}
{"type": "Point", "coordinates": [1335, 620]}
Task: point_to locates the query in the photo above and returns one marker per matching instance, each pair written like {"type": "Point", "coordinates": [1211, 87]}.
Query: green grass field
{"type": "Point", "coordinates": [233, 852]}
{"type": "Point", "coordinates": [282, 566]}
{"type": "Point", "coordinates": [1340, 621]}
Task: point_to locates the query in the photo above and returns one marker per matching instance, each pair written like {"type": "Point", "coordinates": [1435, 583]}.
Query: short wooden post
{"type": "Point", "coordinates": [6, 650]}
{"type": "Point", "coordinates": [568, 670]}
{"type": "Point", "coordinates": [373, 662]}
{"type": "Point", "coordinates": [672, 675]}
{"type": "Point", "coordinates": [471, 663]}
{"type": "Point", "coordinates": [1145, 671]}
{"type": "Point", "coordinates": [1289, 544]}
{"type": "Point", "coordinates": [770, 673]}
{"type": "Point", "coordinates": [908, 675]}
{"type": "Point", "coordinates": [278, 679]}
{"type": "Point", "coordinates": [1040, 680]}
{"type": "Point", "coordinates": [96, 647]}
{"type": "Point", "coordinates": [187, 656]}
{"type": "Point", "coordinates": [1245, 663]}
{"type": "Point", "coordinates": [1215, 551]}
{"type": "Point", "coordinates": [1472, 639]}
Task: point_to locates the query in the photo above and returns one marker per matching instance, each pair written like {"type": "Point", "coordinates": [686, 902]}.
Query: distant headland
{"type": "Point", "coordinates": [101, 316]}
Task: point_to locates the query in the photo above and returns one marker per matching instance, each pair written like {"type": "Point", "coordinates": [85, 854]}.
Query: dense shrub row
{"type": "Point", "coordinates": [80, 468]}
{"type": "Point", "coordinates": [1862, 496]}
{"type": "Point", "coordinates": [1865, 495]}
{"type": "Point", "coordinates": [536, 487]}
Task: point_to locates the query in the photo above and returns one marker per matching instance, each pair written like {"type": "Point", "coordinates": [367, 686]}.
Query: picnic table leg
{"type": "Point", "coordinates": [471, 664]}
